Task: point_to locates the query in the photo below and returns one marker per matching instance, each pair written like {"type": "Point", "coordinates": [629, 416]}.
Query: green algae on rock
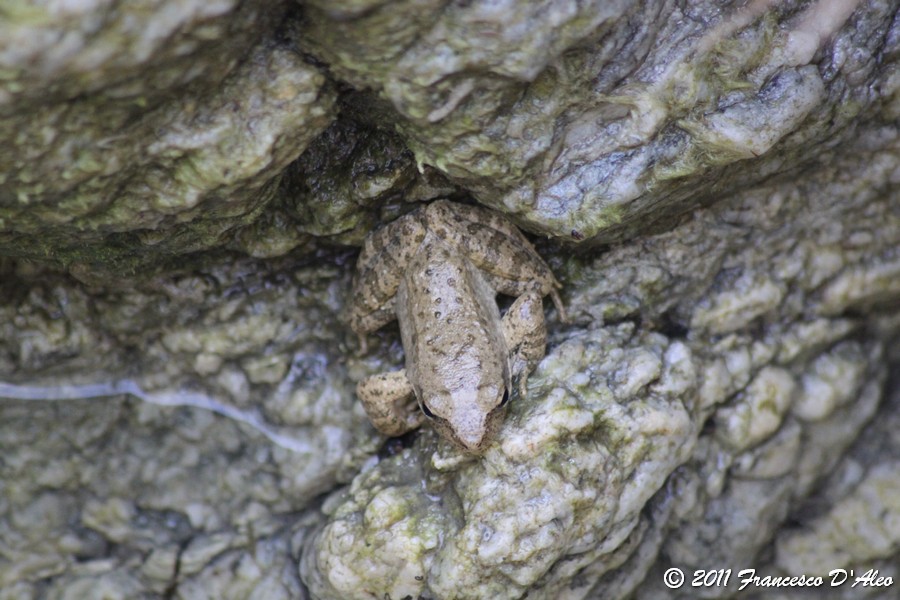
{"type": "Point", "coordinates": [180, 418]}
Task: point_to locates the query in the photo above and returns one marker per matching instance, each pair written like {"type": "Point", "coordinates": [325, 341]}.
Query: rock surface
{"type": "Point", "coordinates": [182, 187]}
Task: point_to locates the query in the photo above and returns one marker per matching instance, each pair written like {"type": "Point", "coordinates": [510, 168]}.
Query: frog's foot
{"type": "Point", "coordinates": [369, 323]}
{"type": "Point", "coordinates": [362, 323]}
{"type": "Point", "coordinates": [390, 402]}
{"type": "Point", "coordinates": [518, 287]}
{"type": "Point", "coordinates": [526, 335]}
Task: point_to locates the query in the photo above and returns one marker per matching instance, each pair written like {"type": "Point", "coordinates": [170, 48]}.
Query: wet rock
{"type": "Point", "coordinates": [180, 203]}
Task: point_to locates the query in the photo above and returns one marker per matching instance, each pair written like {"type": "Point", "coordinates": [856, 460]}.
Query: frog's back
{"type": "Point", "coordinates": [449, 323]}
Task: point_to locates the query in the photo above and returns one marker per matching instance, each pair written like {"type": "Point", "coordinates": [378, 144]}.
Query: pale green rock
{"type": "Point", "coordinates": [180, 208]}
{"type": "Point", "coordinates": [121, 135]}
{"type": "Point", "coordinates": [569, 470]}
{"type": "Point", "coordinates": [862, 527]}
{"type": "Point", "coordinates": [759, 411]}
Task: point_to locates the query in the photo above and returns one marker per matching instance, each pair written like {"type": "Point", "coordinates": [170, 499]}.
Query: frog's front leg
{"type": "Point", "coordinates": [390, 402]}
{"type": "Point", "coordinates": [526, 335]}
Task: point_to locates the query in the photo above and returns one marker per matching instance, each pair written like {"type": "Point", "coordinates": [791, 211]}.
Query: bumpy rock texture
{"type": "Point", "coordinates": [182, 186]}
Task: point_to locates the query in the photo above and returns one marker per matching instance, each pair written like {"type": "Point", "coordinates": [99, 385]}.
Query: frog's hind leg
{"type": "Point", "coordinates": [517, 287]}
{"type": "Point", "coordinates": [371, 322]}
{"type": "Point", "coordinates": [488, 238]}
{"type": "Point", "coordinates": [497, 247]}
{"type": "Point", "coordinates": [380, 268]}
{"type": "Point", "coordinates": [526, 335]}
{"type": "Point", "coordinates": [390, 402]}
{"type": "Point", "coordinates": [464, 215]}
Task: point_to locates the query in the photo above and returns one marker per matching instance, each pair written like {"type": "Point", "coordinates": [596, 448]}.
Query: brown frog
{"type": "Point", "coordinates": [437, 270]}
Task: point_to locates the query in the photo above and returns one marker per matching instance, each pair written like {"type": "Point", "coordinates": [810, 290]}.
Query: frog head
{"type": "Point", "coordinates": [468, 418]}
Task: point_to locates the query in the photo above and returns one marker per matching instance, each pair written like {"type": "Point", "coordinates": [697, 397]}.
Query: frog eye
{"type": "Point", "coordinates": [505, 398]}
{"type": "Point", "coordinates": [427, 411]}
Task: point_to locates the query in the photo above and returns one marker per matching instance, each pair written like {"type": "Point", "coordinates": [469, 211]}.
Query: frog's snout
{"type": "Point", "coordinates": [471, 441]}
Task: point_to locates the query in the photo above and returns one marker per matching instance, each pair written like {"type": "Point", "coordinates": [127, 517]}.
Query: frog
{"type": "Point", "coordinates": [438, 270]}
